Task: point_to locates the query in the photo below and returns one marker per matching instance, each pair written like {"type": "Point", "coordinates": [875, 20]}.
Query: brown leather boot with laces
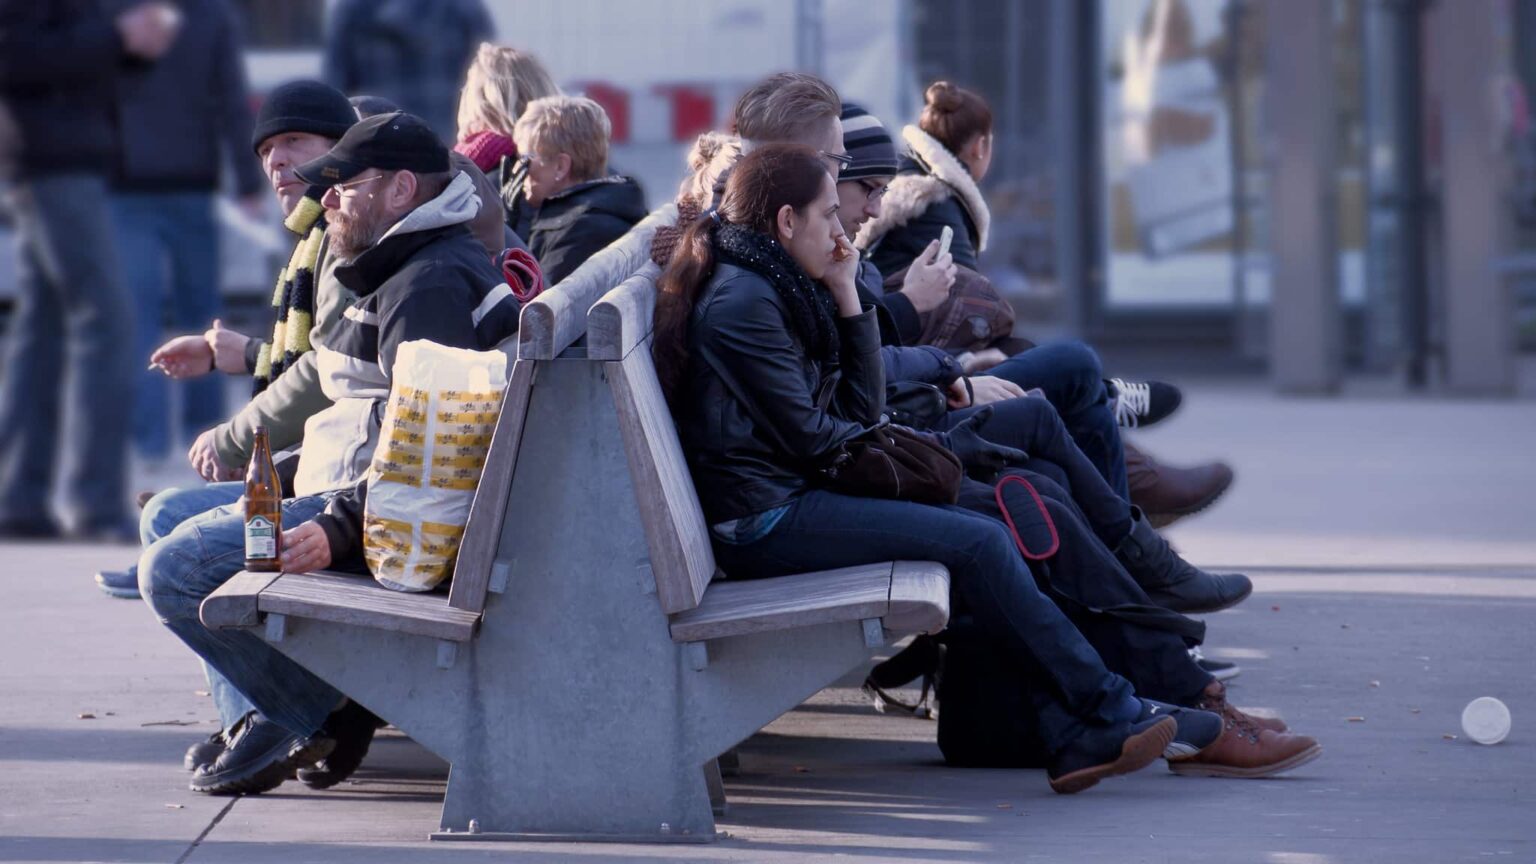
{"type": "Point", "coordinates": [1215, 699]}
{"type": "Point", "coordinates": [1247, 750]}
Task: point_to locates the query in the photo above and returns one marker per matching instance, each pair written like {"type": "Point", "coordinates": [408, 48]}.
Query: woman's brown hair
{"type": "Point", "coordinates": [954, 115]}
{"type": "Point", "coordinates": [765, 180]}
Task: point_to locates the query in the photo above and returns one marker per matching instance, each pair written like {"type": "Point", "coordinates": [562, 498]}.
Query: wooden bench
{"type": "Point", "coordinates": [587, 666]}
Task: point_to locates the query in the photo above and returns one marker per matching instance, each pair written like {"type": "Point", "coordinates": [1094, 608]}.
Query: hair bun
{"type": "Point", "coordinates": [943, 96]}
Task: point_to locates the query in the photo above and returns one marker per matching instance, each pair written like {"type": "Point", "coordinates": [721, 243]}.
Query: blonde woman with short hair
{"type": "Point", "coordinates": [580, 206]}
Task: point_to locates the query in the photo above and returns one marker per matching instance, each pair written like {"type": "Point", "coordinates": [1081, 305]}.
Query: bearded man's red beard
{"type": "Point", "coordinates": [351, 236]}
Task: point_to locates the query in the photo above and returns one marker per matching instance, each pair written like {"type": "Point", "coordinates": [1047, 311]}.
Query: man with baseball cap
{"type": "Point", "coordinates": [396, 225]}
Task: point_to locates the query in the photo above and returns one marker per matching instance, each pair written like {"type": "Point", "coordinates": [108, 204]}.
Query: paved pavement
{"type": "Point", "coordinates": [1393, 544]}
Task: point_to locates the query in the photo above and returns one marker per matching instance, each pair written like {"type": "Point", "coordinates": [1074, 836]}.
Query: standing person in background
{"type": "Point", "coordinates": [58, 62]}
{"type": "Point", "coordinates": [411, 52]}
{"type": "Point", "coordinates": [182, 119]}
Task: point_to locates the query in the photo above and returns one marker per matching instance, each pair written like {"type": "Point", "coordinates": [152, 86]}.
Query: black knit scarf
{"type": "Point", "coordinates": [811, 310]}
{"type": "Point", "coordinates": [293, 299]}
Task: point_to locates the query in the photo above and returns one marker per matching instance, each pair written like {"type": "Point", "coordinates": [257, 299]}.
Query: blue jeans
{"type": "Point", "coordinates": [170, 252]}
{"type": "Point", "coordinates": [182, 568]}
{"type": "Point", "coordinates": [1031, 424]}
{"type": "Point", "coordinates": [988, 579]}
{"type": "Point", "coordinates": [69, 347]}
{"type": "Point", "coordinates": [163, 514]}
{"type": "Point", "coordinates": [1073, 380]}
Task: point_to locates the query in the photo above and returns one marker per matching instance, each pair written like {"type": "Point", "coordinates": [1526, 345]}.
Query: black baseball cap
{"type": "Point", "coordinates": [388, 142]}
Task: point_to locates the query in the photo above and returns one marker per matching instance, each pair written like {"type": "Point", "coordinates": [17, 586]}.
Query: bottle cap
{"type": "Point", "coordinates": [1485, 720]}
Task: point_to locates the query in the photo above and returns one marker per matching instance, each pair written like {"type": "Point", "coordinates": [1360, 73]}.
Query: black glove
{"type": "Point", "coordinates": [982, 459]}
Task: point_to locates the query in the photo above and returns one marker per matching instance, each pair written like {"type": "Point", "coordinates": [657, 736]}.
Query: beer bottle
{"type": "Point", "coordinates": [263, 509]}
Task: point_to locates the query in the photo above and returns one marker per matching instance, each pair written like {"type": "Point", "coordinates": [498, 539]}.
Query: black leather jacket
{"type": "Point", "coordinates": [754, 440]}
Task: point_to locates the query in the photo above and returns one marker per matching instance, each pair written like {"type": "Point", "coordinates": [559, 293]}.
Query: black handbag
{"type": "Point", "coordinates": [895, 462]}
{"type": "Point", "coordinates": [915, 404]}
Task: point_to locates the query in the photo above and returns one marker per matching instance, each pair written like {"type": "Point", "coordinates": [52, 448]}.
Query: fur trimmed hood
{"type": "Point", "coordinates": [912, 194]}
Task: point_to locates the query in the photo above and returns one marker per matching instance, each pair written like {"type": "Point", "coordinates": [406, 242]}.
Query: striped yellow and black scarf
{"type": "Point", "coordinates": [293, 300]}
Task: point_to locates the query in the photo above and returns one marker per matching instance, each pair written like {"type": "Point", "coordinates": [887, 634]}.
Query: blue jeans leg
{"type": "Point", "coordinates": [141, 233]}
{"type": "Point", "coordinates": [180, 570]}
{"type": "Point", "coordinates": [824, 530]}
{"type": "Point", "coordinates": [1032, 424]}
{"type": "Point", "coordinates": [165, 513]}
{"type": "Point", "coordinates": [69, 349]}
{"type": "Point", "coordinates": [1073, 380]}
{"type": "Point", "coordinates": [193, 244]}
{"type": "Point", "coordinates": [171, 507]}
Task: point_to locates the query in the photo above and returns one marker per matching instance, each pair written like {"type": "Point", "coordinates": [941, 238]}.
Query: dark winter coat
{"type": "Point", "coordinates": [188, 114]}
{"type": "Point", "coordinates": [932, 190]}
{"type": "Point", "coordinates": [574, 225]}
{"type": "Point", "coordinates": [59, 60]}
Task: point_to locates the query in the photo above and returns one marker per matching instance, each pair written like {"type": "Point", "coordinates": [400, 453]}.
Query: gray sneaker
{"type": "Point", "coordinates": [119, 583]}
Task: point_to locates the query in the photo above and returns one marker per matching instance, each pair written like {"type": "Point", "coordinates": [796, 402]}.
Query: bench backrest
{"type": "Point", "coordinates": [618, 332]}
{"type": "Point", "coordinates": [558, 317]}
{"type": "Point", "coordinates": [547, 326]}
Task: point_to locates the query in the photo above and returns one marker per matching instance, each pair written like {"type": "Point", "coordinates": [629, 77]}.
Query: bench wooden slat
{"type": "Point", "coordinates": [558, 317]}
{"type": "Point", "coordinates": [919, 597]}
{"type": "Point", "coordinates": [234, 603]}
{"type": "Point", "coordinates": [622, 320]}
{"type": "Point", "coordinates": [681, 557]}
{"type": "Point", "coordinates": [346, 598]}
{"type": "Point", "coordinates": [482, 532]}
{"type": "Point", "coordinates": [759, 605]}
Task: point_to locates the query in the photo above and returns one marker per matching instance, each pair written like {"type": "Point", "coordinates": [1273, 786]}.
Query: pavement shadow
{"type": "Point", "coordinates": [90, 742]}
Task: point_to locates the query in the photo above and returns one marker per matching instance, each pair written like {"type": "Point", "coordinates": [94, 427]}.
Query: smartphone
{"type": "Point", "coordinates": [945, 237]}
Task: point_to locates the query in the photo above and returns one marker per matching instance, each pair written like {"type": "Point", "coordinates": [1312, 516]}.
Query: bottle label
{"type": "Point", "coordinates": [260, 538]}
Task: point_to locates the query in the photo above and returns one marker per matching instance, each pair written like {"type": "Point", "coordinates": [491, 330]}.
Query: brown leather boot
{"type": "Point", "coordinates": [1245, 750]}
{"type": "Point", "coordinates": [1167, 493]}
{"type": "Point", "coordinates": [1215, 699]}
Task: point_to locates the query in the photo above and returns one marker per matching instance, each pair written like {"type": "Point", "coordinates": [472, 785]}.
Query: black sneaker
{"type": "Point", "coordinates": [1142, 403]}
{"type": "Point", "coordinates": [1196, 731]}
{"type": "Point", "coordinates": [260, 756]}
{"type": "Point", "coordinates": [351, 726]}
{"type": "Point", "coordinates": [1221, 670]}
{"type": "Point", "coordinates": [205, 752]}
{"type": "Point", "coordinates": [1100, 753]}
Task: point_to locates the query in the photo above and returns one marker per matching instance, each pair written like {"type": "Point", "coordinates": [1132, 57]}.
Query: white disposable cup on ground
{"type": "Point", "coordinates": [1485, 720]}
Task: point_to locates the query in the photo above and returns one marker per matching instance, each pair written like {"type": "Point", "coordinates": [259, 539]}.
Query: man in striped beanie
{"type": "Point", "coordinates": [860, 187]}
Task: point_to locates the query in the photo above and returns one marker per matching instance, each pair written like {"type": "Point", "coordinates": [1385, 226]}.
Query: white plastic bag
{"type": "Point", "coordinates": [437, 429]}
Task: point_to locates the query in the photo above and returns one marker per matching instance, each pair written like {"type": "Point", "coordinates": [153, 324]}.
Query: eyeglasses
{"type": "Point", "coordinates": [843, 160]}
{"type": "Point", "coordinates": [349, 188]}
{"type": "Point", "coordinates": [873, 191]}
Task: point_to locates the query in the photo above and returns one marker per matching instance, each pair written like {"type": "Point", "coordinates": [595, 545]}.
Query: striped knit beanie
{"type": "Point", "coordinates": [865, 139]}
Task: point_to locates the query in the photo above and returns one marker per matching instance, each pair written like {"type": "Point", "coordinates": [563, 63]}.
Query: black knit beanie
{"type": "Point", "coordinates": [865, 139]}
{"type": "Point", "coordinates": [303, 106]}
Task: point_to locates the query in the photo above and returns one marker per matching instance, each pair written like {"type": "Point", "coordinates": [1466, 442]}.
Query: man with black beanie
{"type": "Point", "coordinates": [298, 122]}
